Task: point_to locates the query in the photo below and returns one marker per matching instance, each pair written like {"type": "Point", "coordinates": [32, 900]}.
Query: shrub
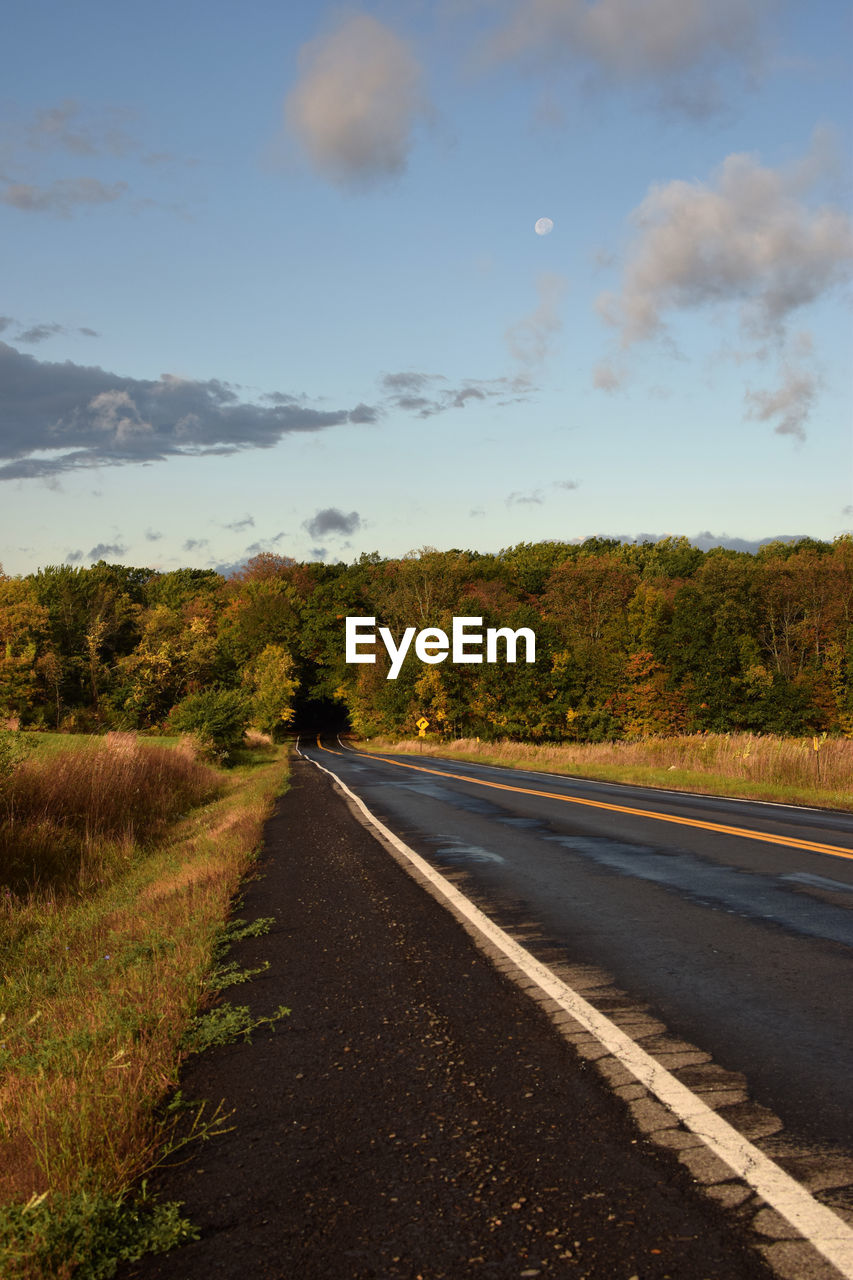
{"type": "Point", "coordinates": [217, 718]}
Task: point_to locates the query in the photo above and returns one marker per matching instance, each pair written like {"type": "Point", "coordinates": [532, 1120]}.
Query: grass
{"type": "Point", "coordinates": [67, 817]}
{"type": "Point", "coordinates": [787, 770]}
{"type": "Point", "coordinates": [104, 975]}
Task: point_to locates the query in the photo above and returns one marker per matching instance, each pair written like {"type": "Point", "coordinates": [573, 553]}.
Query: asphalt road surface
{"type": "Point", "coordinates": [418, 1116]}
{"type": "Point", "coordinates": [731, 921]}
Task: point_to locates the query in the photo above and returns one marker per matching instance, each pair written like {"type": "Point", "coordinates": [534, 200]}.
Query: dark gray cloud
{"type": "Point", "coordinates": [332, 521]}
{"type": "Point", "coordinates": [47, 329]}
{"type": "Point", "coordinates": [265, 544]}
{"type": "Point", "coordinates": [153, 535]}
{"type": "Point", "coordinates": [195, 544]}
{"type": "Point", "coordinates": [38, 333]}
{"type": "Point", "coordinates": [426, 394]}
{"type": "Point", "coordinates": [84, 416]}
{"type": "Point", "coordinates": [237, 526]}
{"type": "Point", "coordinates": [105, 549]}
{"type": "Point", "coordinates": [102, 551]}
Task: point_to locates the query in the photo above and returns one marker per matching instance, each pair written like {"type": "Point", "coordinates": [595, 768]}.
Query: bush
{"type": "Point", "coordinates": [217, 718]}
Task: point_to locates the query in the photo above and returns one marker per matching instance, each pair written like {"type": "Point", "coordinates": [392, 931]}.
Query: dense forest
{"type": "Point", "coordinates": [632, 640]}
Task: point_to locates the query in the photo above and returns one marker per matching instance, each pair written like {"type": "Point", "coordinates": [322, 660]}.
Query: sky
{"type": "Point", "coordinates": [273, 279]}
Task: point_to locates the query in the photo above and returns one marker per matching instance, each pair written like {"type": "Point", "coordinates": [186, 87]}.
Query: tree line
{"type": "Point", "coordinates": [633, 640]}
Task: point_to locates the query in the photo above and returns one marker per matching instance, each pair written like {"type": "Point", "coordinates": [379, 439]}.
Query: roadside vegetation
{"type": "Point", "coordinates": [810, 771]}
{"type": "Point", "coordinates": [122, 859]}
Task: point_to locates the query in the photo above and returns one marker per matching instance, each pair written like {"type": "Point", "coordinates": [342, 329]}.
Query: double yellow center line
{"type": "Point", "coordinates": [790, 842]}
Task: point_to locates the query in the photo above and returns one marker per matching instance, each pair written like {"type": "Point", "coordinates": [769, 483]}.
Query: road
{"type": "Point", "coordinates": [730, 921]}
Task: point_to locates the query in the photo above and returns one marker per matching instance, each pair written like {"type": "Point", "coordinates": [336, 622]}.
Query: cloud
{"type": "Point", "coordinates": [529, 340]}
{"type": "Point", "coordinates": [607, 377]}
{"type": "Point", "coordinates": [791, 402]}
{"type": "Point", "coordinates": [69, 127]}
{"type": "Point", "coordinates": [102, 551]}
{"type": "Point", "coordinates": [237, 526]}
{"type": "Point", "coordinates": [537, 497]}
{"type": "Point", "coordinates": [747, 237]}
{"type": "Point", "coordinates": [426, 394]}
{"type": "Point", "coordinates": [153, 535]}
{"type": "Point", "coordinates": [332, 521]}
{"type": "Point", "coordinates": [62, 197]}
{"type": "Point", "coordinates": [673, 47]}
{"type": "Point", "coordinates": [84, 417]}
{"type": "Point", "coordinates": [265, 544]}
{"type": "Point", "coordinates": [38, 333]}
{"type": "Point", "coordinates": [746, 242]}
{"type": "Point", "coordinates": [195, 544]}
{"type": "Point", "coordinates": [355, 104]}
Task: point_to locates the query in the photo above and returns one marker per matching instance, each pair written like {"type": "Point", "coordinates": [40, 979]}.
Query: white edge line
{"type": "Point", "coordinates": [825, 1230]}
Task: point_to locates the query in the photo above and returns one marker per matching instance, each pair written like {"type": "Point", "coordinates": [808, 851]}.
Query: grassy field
{"type": "Point", "coordinates": [108, 951]}
{"type": "Point", "coordinates": [788, 770]}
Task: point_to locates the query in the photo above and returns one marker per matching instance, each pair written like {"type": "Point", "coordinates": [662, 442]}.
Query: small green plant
{"type": "Point", "coordinates": [90, 1233]}
{"type": "Point", "coordinates": [231, 975]}
{"type": "Point", "coordinates": [224, 1025]}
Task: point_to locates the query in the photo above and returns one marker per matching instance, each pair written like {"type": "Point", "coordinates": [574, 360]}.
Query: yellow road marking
{"type": "Point", "coordinates": [790, 841]}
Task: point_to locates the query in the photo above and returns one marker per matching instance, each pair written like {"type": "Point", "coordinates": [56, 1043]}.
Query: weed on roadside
{"type": "Point", "coordinates": [86, 1234]}
{"type": "Point", "coordinates": [224, 1025]}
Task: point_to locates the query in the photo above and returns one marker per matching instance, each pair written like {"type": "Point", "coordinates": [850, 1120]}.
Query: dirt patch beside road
{"type": "Point", "coordinates": [416, 1115]}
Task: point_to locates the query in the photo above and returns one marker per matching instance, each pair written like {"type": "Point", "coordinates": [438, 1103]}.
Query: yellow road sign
{"type": "Point", "coordinates": [422, 724]}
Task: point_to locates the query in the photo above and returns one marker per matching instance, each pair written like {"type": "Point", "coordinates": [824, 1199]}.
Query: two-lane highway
{"type": "Point", "coordinates": [731, 920]}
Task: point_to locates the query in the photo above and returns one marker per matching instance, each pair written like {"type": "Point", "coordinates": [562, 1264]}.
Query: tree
{"type": "Point", "coordinates": [271, 678]}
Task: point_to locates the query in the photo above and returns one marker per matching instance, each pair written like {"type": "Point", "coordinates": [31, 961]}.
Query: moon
{"type": "Point", "coordinates": [544, 226]}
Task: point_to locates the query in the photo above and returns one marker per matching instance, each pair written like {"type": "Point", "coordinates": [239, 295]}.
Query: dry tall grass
{"type": "Point", "coordinates": [67, 817]}
{"type": "Point", "coordinates": [98, 989]}
{"type": "Point", "coordinates": [759, 766]}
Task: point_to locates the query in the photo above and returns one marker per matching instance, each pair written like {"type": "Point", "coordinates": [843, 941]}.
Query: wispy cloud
{"type": "Point", "coordinates": [426, 394]}
{"type": "Point", "coordinates": [537, 497]}
{"type": "Point", "coordinates": [671, 49]}
{"type": "Point", "coordinates": [355, 104]}
{"type": "Point", "coordinates": [61, 197]}
{"type": "Point", "coordinates": [530, 339]}
{"type": "Point", "coordinates": [238, 526]}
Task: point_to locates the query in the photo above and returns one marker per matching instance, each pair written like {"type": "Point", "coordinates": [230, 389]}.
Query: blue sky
{"type": "Point", "coordinates": [272, 280]}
